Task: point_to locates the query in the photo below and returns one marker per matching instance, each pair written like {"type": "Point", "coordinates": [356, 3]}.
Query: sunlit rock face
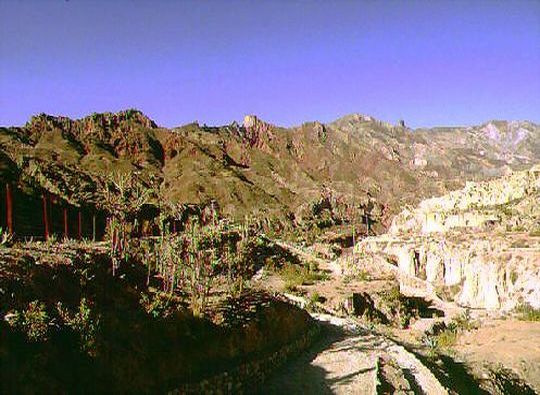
{"type": "Point", "coordinates": [477, 206]}
{"type": "Point", "coordinates": [481, 242]}
{"type": "Point", "coordinates": [487, 272]}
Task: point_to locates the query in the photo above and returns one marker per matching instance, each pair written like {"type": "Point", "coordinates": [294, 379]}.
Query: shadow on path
{"type": "Point", "coordinates": [302, 376]}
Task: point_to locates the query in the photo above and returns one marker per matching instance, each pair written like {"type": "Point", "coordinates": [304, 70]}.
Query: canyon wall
{"type": "Point", "coordinates": [479, 246]}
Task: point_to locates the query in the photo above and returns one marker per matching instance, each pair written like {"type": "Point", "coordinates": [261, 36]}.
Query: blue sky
{"type": "Point", "coordinates": [428, 62]}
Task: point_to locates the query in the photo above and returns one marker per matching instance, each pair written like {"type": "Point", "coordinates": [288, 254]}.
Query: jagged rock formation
{"type": "Point", "coordinates": [479, 246]}
{"type": "Point", "coordinates": [356, 169]}
{"type": "Point", "coordinates": [509, 202]}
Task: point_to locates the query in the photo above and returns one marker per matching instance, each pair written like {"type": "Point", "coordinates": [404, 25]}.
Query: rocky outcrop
{"type": "Point", "coordinates": [478, 246]}
{"type": "Point", "coordinates": [489, 203]}
{"type": "Point", "coordinates": [484, 272]}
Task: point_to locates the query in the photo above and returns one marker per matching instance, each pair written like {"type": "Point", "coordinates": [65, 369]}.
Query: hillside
{"type": "Point", "coordinates": [315, 176]}
{"type": "Point", "coordinates": [205, 293]}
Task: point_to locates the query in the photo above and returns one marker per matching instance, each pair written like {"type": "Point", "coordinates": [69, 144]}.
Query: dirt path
{"type": "Point", "coordinates": [352, 359]}
{"type": "Point", "coordinates": [337, 364]}
{"type": "Point", "coordinates": [346, 361]}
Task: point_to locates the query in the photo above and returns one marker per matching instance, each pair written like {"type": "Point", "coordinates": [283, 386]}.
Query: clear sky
{"type": "Point", "coordinates": [428, 62]}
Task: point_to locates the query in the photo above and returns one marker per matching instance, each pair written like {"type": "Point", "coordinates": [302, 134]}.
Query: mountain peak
{"type": "Point", "coordinates": [106, 118]}
{"type": "Point", "coordinates": [355, 117]}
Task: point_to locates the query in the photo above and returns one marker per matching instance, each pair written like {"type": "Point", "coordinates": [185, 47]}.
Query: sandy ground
{"type": "Point", "coordinates": [514, 344]}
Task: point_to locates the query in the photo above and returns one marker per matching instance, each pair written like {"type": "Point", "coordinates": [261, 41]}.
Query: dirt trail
{"type": "Point", "coordinates": [347, 358]}
{"type": "Point", "coordinates": [514, 344]}
{"type": "Point", "coordinates": [346, 361]}
{"type": "Point", "coordinates": [351, 358]}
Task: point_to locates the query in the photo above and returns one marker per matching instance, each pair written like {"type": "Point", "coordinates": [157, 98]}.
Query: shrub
{"type": "Point", "coordinates": [5, 237]}
{"type": "Point", "coordinates": [157, 304]}
{"type": "Point", "coordinates": [123, 196]}
{"type": "Point", "coordinates": [315, 297]}
{"type": "Point", "coordinates": [203, 255]}
{"type": "Point", "coordinates": [526, 312]}
{"type": "Point", "coordinates": [535, 232]}
{"type": "Point", "coordinates": [447, 338]}
{"type": "Point", "coordinates": [363, 275]}
{"type": "Point", "coordinates": [296, 275]}
{"type": "Point", "coordinates": [83, 322]}
{"type": "Point", "coordinates": [33, 321]}
{"type": "Point", "coordinates": [463, 322]}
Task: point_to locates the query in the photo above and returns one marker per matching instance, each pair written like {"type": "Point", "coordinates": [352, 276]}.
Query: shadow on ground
{"type": "Point", "coordinates": [301, 376]}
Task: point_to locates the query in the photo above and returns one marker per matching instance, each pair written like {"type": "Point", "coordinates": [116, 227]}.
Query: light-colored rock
{"type": "Point", "coordinates": [479, 241]}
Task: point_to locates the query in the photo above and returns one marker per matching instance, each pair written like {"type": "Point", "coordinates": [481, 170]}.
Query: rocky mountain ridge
{"type": "Point", "coordinates": [356, 169]}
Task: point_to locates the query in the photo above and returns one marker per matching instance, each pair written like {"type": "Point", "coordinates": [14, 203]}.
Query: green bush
{"type": "Point", "coordinates": [535, 232]}
{"type": "Point", "coordinates": [363, 275]}
{"type": "Point", "coordinates": [83, 322]}
{"type": "Point", "coordinates": [33, 321]}
{"type": "Point", "coordinates": [447, 338]}
{"type": "Point", "coordinates": [463, 322]}
{"type": "Point", "coordinates": [296, 275]}
{"type": "Point", "coordinates": [315, 297]}
{"type": "Point", "coordinates": [6, 237]}
{"type": "Point", "coordinates": [526, 312]}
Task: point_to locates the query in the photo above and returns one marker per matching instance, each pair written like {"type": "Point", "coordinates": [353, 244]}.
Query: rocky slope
{"type": "Point", "coordinates": [356, 169]}
{"type": "Point", "coordinates": [479, 246]}
{"type": "Point", "coordinates": [358, 353]}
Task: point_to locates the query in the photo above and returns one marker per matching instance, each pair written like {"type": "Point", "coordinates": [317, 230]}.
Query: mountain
{"type": "Point", "coordinates": [355, 169]}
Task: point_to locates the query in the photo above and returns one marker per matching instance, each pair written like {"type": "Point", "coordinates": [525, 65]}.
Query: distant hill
{"type": "Point", "coordinates": [314, 175]}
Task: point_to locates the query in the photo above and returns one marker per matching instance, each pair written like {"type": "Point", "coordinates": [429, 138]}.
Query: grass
{"type": "Point", "coordinates": [535, 232]}
{"type": "Point", "coordinates": [295, 276]}
{"type": "Point", "coordinates": [513, 277]}
{"type": "Point", "coordinates": [363, 275]}
{"type": "Point", "coordinates": [447, 338]}
{"type": "Point", "coordinates": [526, 312]}
{"type": "Point", "coordinates": [443, 341]}
{"type": "Point", "coordinates": [315, 298]}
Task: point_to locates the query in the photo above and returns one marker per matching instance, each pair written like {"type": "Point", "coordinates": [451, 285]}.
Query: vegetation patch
{"type": "Point", "coordinates": [68, 323]}
{"type": "Point", "coordinates": [297, 275]}
{"type": "Point", "coordinates": [401, 309]}
{"type": "Point", "coordinates": [447, 338]}
{"type": "Point", "coordinates": [526, 312]}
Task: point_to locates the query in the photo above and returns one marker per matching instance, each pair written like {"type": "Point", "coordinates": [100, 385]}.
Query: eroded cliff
{"type": "Point", "coordinates": [479, 246]}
